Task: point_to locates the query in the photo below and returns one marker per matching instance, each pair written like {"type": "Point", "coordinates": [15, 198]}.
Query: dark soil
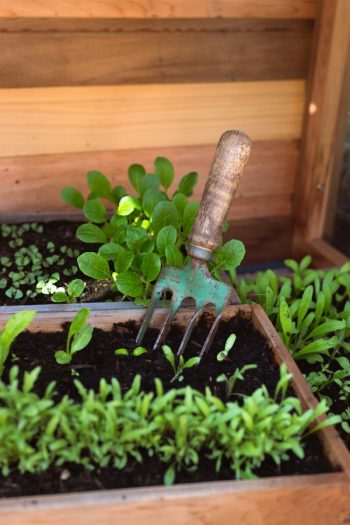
{"type": "Point", "coordinates": [61, 233]}
{"type": "Point", "coordinates": [98, 360]}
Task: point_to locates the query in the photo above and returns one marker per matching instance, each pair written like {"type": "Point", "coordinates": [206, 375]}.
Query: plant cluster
{"type": "Point", "coordinates": [138, 234]}
{"type": "Point", "coordinates": [311, 310]}
{"type": "Point", "coordinates": [25, 271]}
{"type": "Point", "coordinates": [110, 427]}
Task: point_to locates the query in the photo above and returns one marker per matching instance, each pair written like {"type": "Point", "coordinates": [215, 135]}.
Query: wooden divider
{"type": "Point", "coordinates": [159, 8]}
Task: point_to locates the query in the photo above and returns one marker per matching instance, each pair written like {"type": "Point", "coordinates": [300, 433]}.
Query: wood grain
{"type": "Point", "coordinates": [56, 120]}
{"type": "Point", "coordinates": [159, 8]}
{"type": "Point", "coordinates": [268, 179]}
{"type": "Point", "coordinates": [323, 118]}
{"type": "Point", "coordinates": [136, 51]}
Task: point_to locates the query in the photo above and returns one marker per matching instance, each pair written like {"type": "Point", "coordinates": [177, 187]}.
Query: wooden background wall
{"type": "Point", "coordinates": [102, 84]}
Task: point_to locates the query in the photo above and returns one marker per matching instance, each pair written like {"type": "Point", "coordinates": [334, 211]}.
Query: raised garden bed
{"type": "Point", "coordinates": [322, 496]}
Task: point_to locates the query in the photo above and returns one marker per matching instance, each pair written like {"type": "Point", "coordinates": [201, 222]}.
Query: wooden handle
{"type": "Point", "coordinates": [230, 158]}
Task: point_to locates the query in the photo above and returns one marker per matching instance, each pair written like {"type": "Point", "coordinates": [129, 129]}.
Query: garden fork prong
{"type": "Point", "coordinates": [211, 335]}
{"type": "Point", "coordinates": [157, 292]}
{"type": "Point", "coordinates": [189, 330]}
{"type": "Point", "coordinates": [175, 304]}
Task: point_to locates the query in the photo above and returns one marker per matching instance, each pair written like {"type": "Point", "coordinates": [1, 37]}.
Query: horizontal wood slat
{"type": "Point", "coordinates": [265, 189]}
{"type": "Point", "coordinates": [159, 8]}
{"type": "Point", "coordinates": [56, 120]}
{"type": "Point", "coordinates": [124, 52]}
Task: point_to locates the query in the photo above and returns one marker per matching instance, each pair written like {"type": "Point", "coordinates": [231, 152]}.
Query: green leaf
{"type": "Point", "coordinates": [78, 321]}
{"type": "Point", "coordinates": [169, 476]}
{"type": "Point", "coordinates": [121, 351]}
{"type": "Point", "coordinates": [169, 355]}
{"type": "Point", "coordinates": [75, 288]}
{"type": "Point", "coordinates": [191, 362]}
{"type": "Point", "coordinates": [81, 339]}
{"type": "Point", "coordinates": [129, 284]}
{"type": "Point", "coordinates": [230, 342]}
{"type": "Point", "coordinates": [166, 237]}
{"type": "Point", "coordinates": [94, 211]}
{"type": "Point", "coordinates": [164, 214]}
{"type": "Point", "coordinates": [150, 199]}
{"type": "Point", "coordinates": [285, 319]}
{"type": "Point", "coordinates": [151, 180]}
{"type": "Point", "coordinates": [135, 237]}
{"type": "Point", "coordinates": [99, 184]}
{"type": "Point", "coordinates": [62, 357]}
{"type": "Point", "coordinates": [117, 193]}
{"type": "Point", "coordinates": [59, 297]}
{"type": "Point", "coordinates": [180, 201]}
{"type": "Point", "coordinates": [190, 215]}
{"type": "Point", "coordinates": [327, 327]}
{"type": "Point", "coordinates": [123, 261]}
{"type": "Point", "coordinates": [304, 304]}
{"type": "Point", "coordinates": [150, 266]}
{"type": "Point", "coordinates": [230, 255]}
{"type": "Point", "coordinates": [187, 183]}
{"type": "Point", "coordinates": [320, 346]}
{"type": "Point", "coordinates": [165, 171]}
{"type": "Point", "coordinates": [90, 233]}
{"type": "Point", "coordinates": [14, 326]}
{"type": "Point", "coordinates": [173, 256]}
{"type": "Point", "coordinates": [127, 205]}
{"type": "Point", "coordinates": [135, 173]}
{"type": "Point", "coordinates": [94, 265]}
{"type": "Point", "coordinates": [111, 251]}
{"type": "Point", "coordinates": [72, 197]}
{"type": "Point", "coordinates": [139, 350]}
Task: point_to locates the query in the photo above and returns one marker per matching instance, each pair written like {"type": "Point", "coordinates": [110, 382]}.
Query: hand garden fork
{"type": "Point", "coordinates": [194, 280]}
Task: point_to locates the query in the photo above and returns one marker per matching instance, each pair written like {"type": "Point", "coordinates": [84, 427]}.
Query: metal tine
{"type": "Point", "coordinates": [211, 335]}
{"type": "Point", "coordinates": [154, 299]}
{"type": "Point", "coordinates": [175, 304]}
{"type": "Point", "coordinates": [189, 329]}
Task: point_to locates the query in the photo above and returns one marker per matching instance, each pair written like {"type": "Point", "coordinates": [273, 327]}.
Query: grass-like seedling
{"type": "Point", "coordinates": [179, 427]}
{"type": "Point", "coordinates": [79, 336]}
{"type": "Point", "coordinates": [230, 381]}
{"type": "Point", "coordinates": [14, 326]}
{"type": "Point", "coordinates": [136, 352]}
{"type": "Point", "coordinates": [223, 354]}
{"type": "Point", "coordinates": [178, 363]}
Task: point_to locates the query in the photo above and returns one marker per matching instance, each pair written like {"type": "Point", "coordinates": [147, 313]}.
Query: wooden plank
{"type": "Point", "coordinates": [315, 500]}
{"type": "Point", "coordinates": [267, 183]}
{"type": "Point", "coordinates": [159, 8]}
{"type": "Point", "coordinates": [324, 255]}
{"type": "Point", "coordinates": [266, 240]}
{"type": "Point", "coordinates": [149, 53]}
{"type": "Point", "coordinates": [322, 119]}
{"type": "Point", "coordinates": [56, 120]}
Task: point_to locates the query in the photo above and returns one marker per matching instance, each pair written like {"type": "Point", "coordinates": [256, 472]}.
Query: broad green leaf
{"type": "Point", "coordinates": [59, 297]}
{"type": "Point", "coordinates": [150, 199]}
{"type": "Point", "coordinates": [90, 233]}
{"type": "Point", "coordinates": [94, 265]}
{"type": "Point", "coordinates": [165, 171]}
{"type": "Point", "coordinates": [230, 255]}
{"type": "Point", "coordinates": [173, 256]}
{"type": "Point", "coordinates": [189, 216]}
{"type": "Point", "coordinates": [180, 201]}
{"type": "Point", "coordinates": [151, 180]}
{"type": "Point", "coordinates": [129, 284]}
{"type": "Point", "coordinates": [187, 183]}
{"type": "Point", "coordinates": [111, 251]}
{"type": "Point", "coordinates": [164, 214]}
{"type": "Point", "coordinates": [135, 173]}
{"type": "Point", "coordinates": [94, 211]}
{"type": "Point", "coordinates": [166, 237]}
{"type": "Point", "coordinates": [75, 288]}
{"type": "Point", "coordinates": [99, 184]}
{"type": "Point", "coordinates": [62, 357]}
{"type": "Point", "coordinates": [150, 266]}
{"type": "Point", "coordinates": [127, 205]}
{"type": "Point", "coordinates": [135, 237]}
{"type": "Point", "coordinates": [123, 261]}
{"type": "Point", "coordinates": [82, 338]}
{"type": "Point", "coordinates": [72, 197]}
{"type": "Point", "coordinates": [117, 193]}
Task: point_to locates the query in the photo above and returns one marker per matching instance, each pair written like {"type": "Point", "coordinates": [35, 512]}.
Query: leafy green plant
{"type": "Point", "coordinates": [14, 326]}
{"type": "Point", "coordinates": [143, 232]}
{"type": "Point", "coordinates": [74, 290]}
{"type": "Point", "coordinates": [223, 354]}
{"type": "Point", "coordinates": [178, 364]}
{"type": "Point", "coordinates": [230, 381]}
{"type": "Point", "coordinates": [178, 427]}
{"type": "Point", "coordinates": [79, 336]}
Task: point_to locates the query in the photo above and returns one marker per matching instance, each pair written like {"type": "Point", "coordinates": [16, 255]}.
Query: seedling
{"type": "Point", "coordinates": [228, 346]}
{"type": "Point", "coordinates": [74, 290]}
{"type": "Point", "coordinates": [230, 381]}
{"type": "Point", "coordinates": [79, 336]}
{"type": "Point", "coordinates": [178, 364]}
{"type": "Point", "coordinates": [14, 326]}
{"type": "Point", "coordinates": [136, 352]}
